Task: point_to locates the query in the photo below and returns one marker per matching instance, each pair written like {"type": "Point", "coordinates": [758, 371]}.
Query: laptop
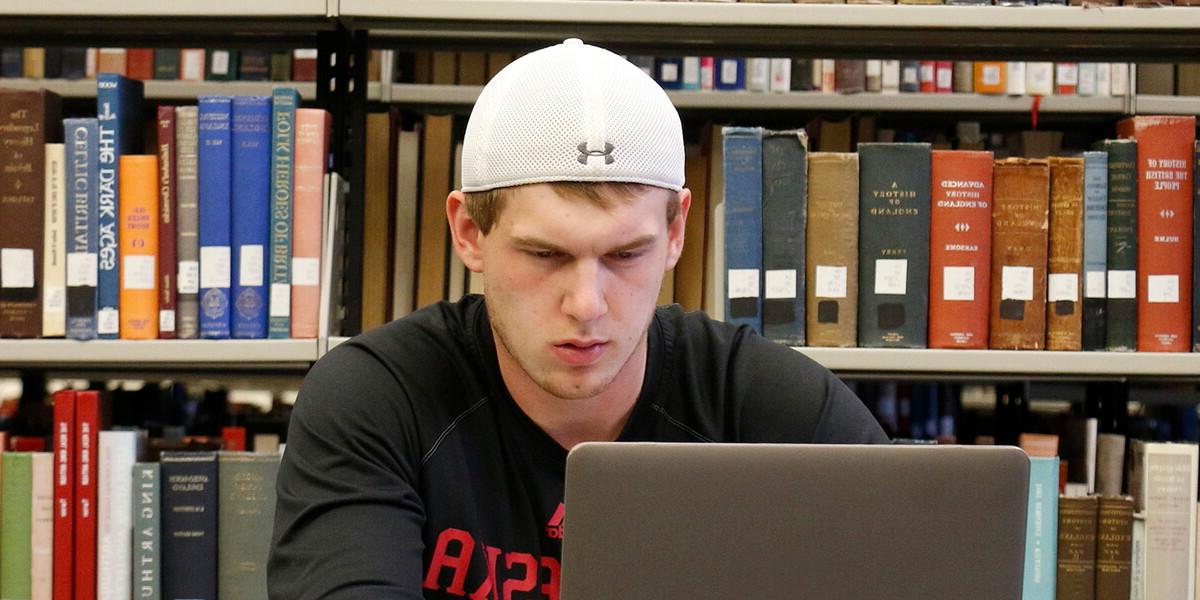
{"type": "Point", "coordinates": [732, 521]}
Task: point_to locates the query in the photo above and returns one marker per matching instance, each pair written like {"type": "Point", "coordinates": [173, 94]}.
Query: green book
{"type": "Point", "coordinates": [147, 531]}
{"type": "Point", "coordinates": [246, 486]}
{"type": "Point", "coordinates": [16, 526]}
{"type": "Point", "coordinates": [1121, 308]}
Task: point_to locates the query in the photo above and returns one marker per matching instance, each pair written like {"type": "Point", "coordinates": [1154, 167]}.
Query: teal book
{"type": "Point", "coordinates": [1041, 530]}
{"type": "Point", "coordinates": [284, 102]}
{"type": "Point", "coordinates": [147, 531]}
{"type": "Point", "coordinates": [1095, 248]}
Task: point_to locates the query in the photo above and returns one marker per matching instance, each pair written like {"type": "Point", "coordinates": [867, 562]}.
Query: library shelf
{"type": "Point", "coordinates": [59, 354]}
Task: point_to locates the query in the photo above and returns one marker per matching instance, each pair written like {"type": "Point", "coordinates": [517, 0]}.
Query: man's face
{"type": "Point", "coordinates": [571, 286]}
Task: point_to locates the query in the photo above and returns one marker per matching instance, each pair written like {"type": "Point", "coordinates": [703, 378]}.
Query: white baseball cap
{"type": "Point", "coordinates": [572, 112]}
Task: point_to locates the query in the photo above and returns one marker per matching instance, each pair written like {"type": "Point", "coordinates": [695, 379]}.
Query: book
{"type": "Point", "coordinates": [187, 223]}
{"type": "Point", "coordinates": [1076, 547]}
{"type": "Point", "coordinates": [214, 155]}
{"type": "Point", "coordinates": [54, 249]}
{"type": "Point", "coordinates": [1196, 250]}
{"type": "Point", "coordinates": [437, 151]}
{"type": "Point", "coordinates": [990, 77]}
{"type": "Point", "coordinates": [1122, 241]}
{"type": "Point", "coordinates": [119, 116]}
{"type": "Point", "coordinates": [147, 531]}
{"type": "Point", "coordinates": [1114, 547]}
{"type": "Point", "coordinates": [714, 243]}
{"type": "Point", "coordinates": [304, 64]}
{"type": "Point", "coordinates": [1095, 249]}
{"type": "Point", "coordinates": [190, 513]}
{"type": "Point", "coordinates": [139, 63]}
{"type": "Point", "coordinates": [1041, 530]}
{"type": "Point", "coordinates": [960, 248]}
{"type": "Point", "coordinates": [89, 420]}
{"type": "Point", "coordinates": [1020, 214]}
{"type": "Point", "coordinates": [1039, 78]}
{"type": "Point", "coordinates": [312, 150]}
{"type": "Point", "coordinates": [284, 102]}
{"type": "Point", "coordinates": [784, 211]}
{"type": "Point", "coordinates": [1110, 463]}
{"type": "Point", "coordinates": [1162, 482]}
{"type": "Point", "coordinates": [254, 64]}
{"type": "Point", "coordinates": [167, 261]}
{"type": "Point", "coordinates": [743, 226]}
{"type": "Point", "coordinates": [118, 452]}
{"type": "Point", "coordinates": [404, 257]}
{"type": "Point", "coordinates": [1016, 78]}
{"type": "Point", "coordinates": [378, 202]}
{"type": "Point", "coordinates": [831, 267]}
{"type": "Point", "coordinates": [16, 525]}
{"type": "Point", "coordinates": [730, 73]}
{"type": "Point", "coordinates": [250, 219]}
{"type": "Point", "coordinates": [28, 120]}
{"type": "Point", "coordinates": [222, 64]}
{"type": "Point", "coordinates": [41, 527]}
{"type": "Point", "coordinates": [83, 228]}
{"type": "Point", "coordinates": [893, 269]}
{"type": "Point", "coordinates": [166, 63]}
{"type": "Point", "coordinates": [1165, 152]}
{"type": "Point", "coordinates": [63, 444]}
{"type": "Point", "coordinates": [1064, 279]}
{"type": "Point", "coordinates": [1066, 78]}
{"type": "Point", "coordinates": [139, 246]}
{"type": "Point", "coordinates": [246, 483]}
{"type": "Point", "coordinates": [191, 64]}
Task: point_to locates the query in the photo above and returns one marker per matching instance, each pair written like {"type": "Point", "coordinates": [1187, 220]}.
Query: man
{"type": "Point", "coordinates": [425, 458]}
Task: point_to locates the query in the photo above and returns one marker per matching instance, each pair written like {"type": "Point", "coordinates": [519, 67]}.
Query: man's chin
{"type": "Point", "coordinates": [574, 388]}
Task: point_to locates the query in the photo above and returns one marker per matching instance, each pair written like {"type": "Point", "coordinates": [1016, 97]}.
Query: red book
{"type": "Point", "coordinates": [1164, 222]}
{"type": "Point", "coordinates": [312, 146]}
{"type": "Point", "coordinates": [64, 494]}
{"type": "Point", "coordinates": [168, 289]}
{"type": "Point", "coordinates": [304, 65]}
{"type": "Point", "coordinates": [960, 249]}
{"type": "Point", "coordinates": [87, 426]}
{"type": "Point", "coordinates": [1066, 78]}
{"type": "Point", "coordinates": [928, 76]}
{"type": "Point", "coordinates": [139, 63]}
{"type": "Point", "coordinates": [28, 443]}
{"type": "Point", "coordinates": [944, 76]}
{"type": "Point", "coordinates": [233, 439]}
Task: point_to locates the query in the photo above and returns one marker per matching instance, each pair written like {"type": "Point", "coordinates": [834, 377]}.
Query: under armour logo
{"type": "Point", "coordinates": [585, 153]}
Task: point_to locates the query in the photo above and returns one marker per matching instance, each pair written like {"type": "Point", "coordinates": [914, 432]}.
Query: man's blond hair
{"type": "Point", "coordinates": [485, 207]}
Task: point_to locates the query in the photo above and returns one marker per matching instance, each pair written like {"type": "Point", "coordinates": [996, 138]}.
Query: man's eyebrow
{"type": "Point", "coordinates": [536, 242]}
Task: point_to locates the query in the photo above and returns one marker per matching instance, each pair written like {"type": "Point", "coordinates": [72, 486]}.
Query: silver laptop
{"type": "Point", "coordinates": [732, 521]}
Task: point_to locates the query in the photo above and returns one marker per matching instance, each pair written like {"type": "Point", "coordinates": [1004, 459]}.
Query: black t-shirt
{"type": "Point", "coordinates": [410, 472]}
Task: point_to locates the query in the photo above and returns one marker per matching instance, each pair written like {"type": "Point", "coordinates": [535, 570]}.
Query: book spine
{"type": "Point", "coordinates": [437, 157]}
{"type": "Point", "coordinates": [1170, 473]}
{"type": "Point", "coordinates": [743, 226]}
{"type": "Point", "coordinates": [139, 246]}
{"type": "Point", "coordinates": [1095, 248]}
{"type": "Point", "coordinates": [28, 120]}
{"type": "Point", "coordinates": [1020, 218]}
{"type": "Point", "coordinates": [214, 154]}
{"type": "Point", "coordinates": [168, 290]}
{"type": "Point", "coordinates": [312, 147]}
{"type": "Point", "coordinates": [42, 528]}
{"type": "Point", "coordinates": [222, 65]}
{"type": "Point", "coordinates": [284, 102]}
{"type": "Point", "coordinates": [114, 515]}
{"type": "Point", "coordinates": [54, 250]}
{"type": "Point", "coordinates": [784, 210]}
{"type": "Point", "coordinates": [730, 73]}
{"type": "Point", "coordinates": [64, 494]}
{"type": "Point", "coordinates": [166, 63]}
{"type": "Point", "coordinates": [1196, 249]}
{"type": "Point", "coordinates": [147, 531]}
{"type": "Point", "coordinates": [189, 525]}
{"type": "Point", "coordinates": [187, 223]}
{"type": "Point", "coordinates": [118, 112]}
{"type": "Point", "coordinates": [83, 227]}
{"type": "Point", "coordinates": [251, 214]}
{"type": "Point", "coordinates": [960, 248]}
{"type": "Point", "coordinates": [910, 76]}
{"type": "Point", "coordinates": [16, 496]}
{"type": "Point", "coordinates": [246, 482]}
{"type": "Point", "coordinates": [832, 253]}
{"type": "Point", "coordinates": [87, 426]}
{"type": "Point", "coordinates": [1121, 284]}
{"type": "Point", "coordinates": [1114, 547]}
{"type": "Point", "coordinates": [1076, 548]}
{"type": "Point", "coordinates": [1064, 324]}
{"type": "Point", "coordinates": [893, 269]}
{"type": "Point", "coordinates": [1041, 531]}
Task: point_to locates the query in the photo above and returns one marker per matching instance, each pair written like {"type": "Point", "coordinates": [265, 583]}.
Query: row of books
{"type": "Point", "coordinates": [898, 246]}
{"type": "Point", "coordinates": [185, 64]}
{"type": "Point", "coordinates": [111, 514]}
{"type": "Point", "coordinates": [215, 233]}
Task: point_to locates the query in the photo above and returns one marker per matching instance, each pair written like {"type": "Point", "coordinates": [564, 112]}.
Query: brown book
{"type": "Point", "coordinates": [139, 63]}
{"type": "Point", "coordinates": [304, 64]}
{"type": "Point", "coordinates": [435, 186]}
{"type": "Point", "coordinates": [472, 68]}
{"type": "Point", "coordinates": [28, 121]}
{"type": "Point", "coordinates": [1064, 285]}
{"type": "Point", "coordinates": [374, 65]}
{"type": "Point", "coordinates": [377, 220]}
{"type": "Point", "coordinates": [1156, 79]}
{"type": "Point", "coordinates": [832, 251]}
{"type": "Point", "coordinates": [1076, 548]}
{"type": "Point", "coordinates": [851, 75]}
{"type": "Point", "coordinates": [1110, 463]}
{"type": "Point", "coordinates": [1020, 210]}
{"type": "Point", "coordinates": [689, 271]}
{"type": "Point", "coordinates": [1114, 548]}
{"type": "Point", "coordinates": [423, 67]}
{"type": "Point", "coordinates": [834, 136]}
{"type": "Point", "coordinates": [497, 61]}
{"type": "Point", "coordinates": [444, 67]}
{"type": "Point", "coordinates": [1187, 79]}
{"type": "Point", "coordinates": [168, 287]}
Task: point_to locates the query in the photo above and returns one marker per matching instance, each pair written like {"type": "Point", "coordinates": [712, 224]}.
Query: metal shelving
{"type": "Point", "coordinates": [179, 90]}
{"type": "Point", "coordinates": [1167, 105]}
{"type": "Point", "coordinates": [237, 355]}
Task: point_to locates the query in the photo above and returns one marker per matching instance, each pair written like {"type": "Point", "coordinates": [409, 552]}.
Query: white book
{"type": "Point", "coordinates": [42, 548]}
{"type": "Point", "coordinates": [1103, 79]}
{"type": "Point", "coordinates": [781, 75]}
{"type": "Point", "coordinates": [1120, 79]}
{"type": "Point", "coordinates": [691, 72]}
{"type": "Point", "coordinates": [1039, 78]}
{"type": "Point", "coordinates": [404, 265]}
{"type": "Point", "coordinates": [828, 75]}
{"type": "Point", "coordinates": [1091, 442]}
{"type": "Point", "coordinates": [329, 313]}
{"type": "Point", "coordinates": [1087, 79]}
{"type": "Point", "coordinates": [1016, 78]}
{"type": "Point", "coordinates": [54, 249]}
{"type": "Point", "coordinates": [1167, 475]}
{"type": "Point", "coordinates": [890, 76]}
{"type": "Point", "coordinates": [114, 515]}
{"type": "Point", "coordinates": [758, 74]}
{"type": "Point", "coordinates": [1137, 566]}
{"type": "Point", "coordinates": [818, 67]}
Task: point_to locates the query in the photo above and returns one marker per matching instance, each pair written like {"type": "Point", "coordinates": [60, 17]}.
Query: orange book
{"type": "Point", "coordinates": [1020, 228]}
{"type": "Point", "coordinates": [111, 60]}
{"type": "Point", "coordinates": [1164, 224]}
{"type": "Point", "coordinates": [960, 249]}
{"type": "Point", "coordinates": [138, 234]}
{"type": "Point", "coordinates": [990, 77]}
{"type": "Point", "coordinates": [139, 63]}
{"type": "Point", "coordinates": [312, 146]}
{"type": "Point", "coordinates": [1064, 280]}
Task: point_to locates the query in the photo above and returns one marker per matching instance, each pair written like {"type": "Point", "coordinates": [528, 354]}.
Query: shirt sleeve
{"type": "Point", "coordinates": [348, 518]}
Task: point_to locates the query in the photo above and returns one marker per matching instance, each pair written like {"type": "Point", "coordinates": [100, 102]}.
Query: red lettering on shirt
{"type": "Point", "coordinates": [550, 588]}
{"type": "Point", "coordinates": [442, 559]}
{"type": "Point", "coordinates": [522, 572]}
{"type": "Point", "coordinates": [531, 574]}
{"type": "Point", "coordinates": [488, 588]}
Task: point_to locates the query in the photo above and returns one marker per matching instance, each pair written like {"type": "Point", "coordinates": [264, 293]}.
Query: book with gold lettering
{"type": "Point", "coordinates": [831, 268]}
{"type": "Point", "coordinates": [1064, 285]}
{"type": "Point", "coordinates": [1120, 305]}
{"type": "Point", "coordinates": [960, 248]}
{"type": "Point", "coordinates": [1076, 547]}
{"type": "Point", "coordinates": [1020, 215]}
{"type": "Point", "coordinates": [1114, 547]}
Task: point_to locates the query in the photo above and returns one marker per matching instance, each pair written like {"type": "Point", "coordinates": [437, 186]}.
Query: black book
{"type": "Point", "coordinates": [256, 65]}
{"type": "Point", "coordinates": [1121, 324]}
{"type": "Point", "coordinates": [281, 65]}
{"type": "Point", "coordinates": [74, 63]}
{"type": "Point", "coordinates": [12, 63]}
{"type": "Point", "coordinates": [785, 207]}
{"type": "Point", "coordinates": [166, 63]}
{"type": "Point", "coordinates": [801, 75]}
{"type": "Point", "coordinates": [189, 525]}
{"type": "Point", "coordinates": [52, 64]}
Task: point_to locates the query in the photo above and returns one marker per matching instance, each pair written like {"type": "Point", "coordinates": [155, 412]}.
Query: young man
{"type": "Point", "coordinates": [425, 458]}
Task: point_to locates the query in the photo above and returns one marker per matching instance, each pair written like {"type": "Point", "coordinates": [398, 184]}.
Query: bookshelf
{"type": "Point", "coordinates": [294, 354]}
{"type": "Point", "coordinates": [265, 9]}
{"type": "Point", "coordinates": [1168, 105]}
{"type": "Point", "coordinates": [178, 90]}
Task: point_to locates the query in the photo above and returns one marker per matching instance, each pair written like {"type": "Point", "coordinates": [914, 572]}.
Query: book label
{"type": "Point", "coordinates": [16, 268]}
{"type": "Point", "coordinates": [1063, 287]}
{"type": "Point", "coordinates": [56, 299]}
{"type": "Point", "coordinates": [1122, 285]}
{"type": "Point", "coordinates": [215, 267]}
{"type": "Point", "coordinates": [958, 283]}
{"type": "Point", "coordinates": [108, 320]}
{"type": "Point", "coordinates": [1162, 289]}
{"type": "Point", "coordinates": [189, 277]}
{"type": "Point", "coordinates": [1094, 284]}
{"type": "Point", "coordinates": [780, 284]}
{"type": "Point", "coordinates": [729, 71]}
{"type": "Point", "coordinates": [250, 271]}
{"type": "Point", "coordinates": [669, 72]}
{"type": "Point", "coordinates": [306, 271]}
{"type": "Point", "coordinates": [220, 62]}
{"type": "Point", "coordinates": [281, 300]}
{"type": "Point", "coordinates": [891, 276]}
{"type": "Point", "coordinates": [991, 74]}
{"type": "Point", "coordinates": [1016, 283]}
{"type": "Point", "coordinates": [139, 272]}
{"type": "Point", "coordinates": [743, 283]}
{"type": "Point", "coordinates": [82, 269]}
{"type": "Point", "coordinates": [831, 282]}
{"type": "Point", "coordinates": [166, 320]}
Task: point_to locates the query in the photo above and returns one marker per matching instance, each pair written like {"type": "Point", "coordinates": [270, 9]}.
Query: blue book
{"type": "Point", "coordinates": [119, 113]}
{"type": "Point", "coordinates": [1095, 248]}
{"type": "Point", "coordinates": [743, 226]}
{"type": "Point", "coordinates": [1041, 531]}
{"type": "Point", "coordinates": [83, 227]}
{"type": "Point", "coordinates": [284, 102]}
{"type": "Point", "coordinates": [251, 207]}
{"type": "Point", "coordinates": [669, 72]}
{"type": "Point", "coordinates": [730, 74]}
{"type": "Point", "coordinates": [214, 155]}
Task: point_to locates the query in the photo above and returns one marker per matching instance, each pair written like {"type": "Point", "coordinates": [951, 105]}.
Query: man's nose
{"type": "Point", "coordinates": [583, 299]}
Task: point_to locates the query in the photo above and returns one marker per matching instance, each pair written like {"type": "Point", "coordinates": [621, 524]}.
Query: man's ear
{"type": "Point", "coordinates": [675, 229]}
{"type": "Point", "coordinates": [465, 232]}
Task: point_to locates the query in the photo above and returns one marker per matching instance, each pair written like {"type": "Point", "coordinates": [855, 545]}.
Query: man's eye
{"type": "Point", "coordinates": [543, 253]}
{"type": "Point", "coordinates": [626, 254]}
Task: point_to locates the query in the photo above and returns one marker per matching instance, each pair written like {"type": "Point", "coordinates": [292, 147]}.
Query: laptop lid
{"type": "Point", "coordinates": [692, 521]}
